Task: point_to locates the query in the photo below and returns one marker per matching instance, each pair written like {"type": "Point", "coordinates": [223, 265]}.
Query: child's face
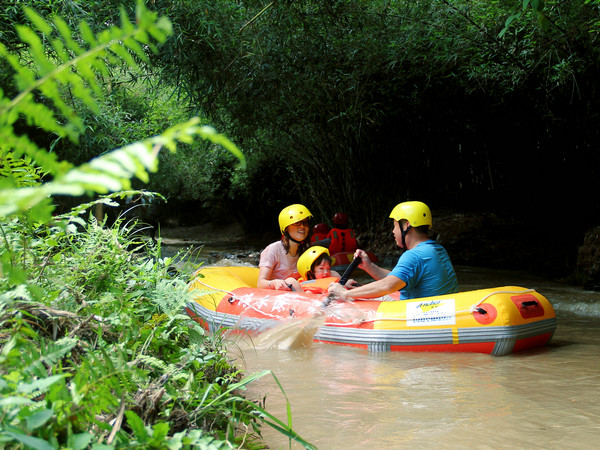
{"type": "Point", "coordinates": [323, 270]}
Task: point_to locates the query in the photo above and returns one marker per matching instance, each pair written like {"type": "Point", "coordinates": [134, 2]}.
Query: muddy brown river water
{"type": "Point", "coordinates": [347, 398]}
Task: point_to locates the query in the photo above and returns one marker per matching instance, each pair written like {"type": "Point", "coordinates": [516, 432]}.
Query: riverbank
{"type": "Point", "coordinates": [202, 234]}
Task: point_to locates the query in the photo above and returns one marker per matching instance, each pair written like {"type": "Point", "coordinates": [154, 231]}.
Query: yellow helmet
{"type": "Point", "coordinates": [417, 213]}
{"type": "Point", "coordinates": [307, 259]}
{"type": "Point", "coordinates": [292, 214]}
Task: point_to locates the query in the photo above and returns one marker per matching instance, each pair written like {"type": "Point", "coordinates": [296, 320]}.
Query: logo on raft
{"type": "Point", "coordinates": [434, 312]}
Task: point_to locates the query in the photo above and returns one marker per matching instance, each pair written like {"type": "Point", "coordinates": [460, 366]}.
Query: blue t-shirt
{"type": "Point", "coordinates": [426, 270]}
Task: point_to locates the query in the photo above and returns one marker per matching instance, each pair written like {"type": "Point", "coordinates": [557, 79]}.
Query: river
{"type": "Point", "coordinates": [348, 398]}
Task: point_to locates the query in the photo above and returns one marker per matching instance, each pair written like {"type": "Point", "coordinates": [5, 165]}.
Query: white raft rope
{"type": "Point", "coordinates": [471, 310]}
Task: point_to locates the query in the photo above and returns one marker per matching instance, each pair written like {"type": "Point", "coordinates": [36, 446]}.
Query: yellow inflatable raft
{"type": "Point", "coordinates": [497, 321]}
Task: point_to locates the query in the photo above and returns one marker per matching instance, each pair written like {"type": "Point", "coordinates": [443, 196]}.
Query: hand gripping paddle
{"type": "Point", "coordinates": [347, 273]}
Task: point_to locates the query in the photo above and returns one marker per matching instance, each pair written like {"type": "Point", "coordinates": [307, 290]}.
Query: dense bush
{"type": "Point", "coordinates": [369, 103]}
{"type": "Point", "coordinates": [94, 349]}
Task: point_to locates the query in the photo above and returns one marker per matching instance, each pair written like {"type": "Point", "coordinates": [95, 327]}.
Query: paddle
{"type": "Point", "coordinates": [345, 277]}
{"type": "Point", "coordinates": [300, 333]}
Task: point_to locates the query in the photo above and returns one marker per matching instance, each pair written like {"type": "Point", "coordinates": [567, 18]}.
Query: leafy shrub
{"type": "Point", "coordinates": [94, 350]}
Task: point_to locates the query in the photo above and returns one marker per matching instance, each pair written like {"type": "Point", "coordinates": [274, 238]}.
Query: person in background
{"type": "Point", "coordinates": [423, 270]}
{"type": "Point", "coordinates": [342, 237]}
{"type": "Point", "coordinates": [320, 232]}
{"type": "Point", "coordinates": [278, 261]}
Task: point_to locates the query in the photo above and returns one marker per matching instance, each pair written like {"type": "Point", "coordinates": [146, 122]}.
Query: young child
{"type": "Point", "coordinates": [315, 263]}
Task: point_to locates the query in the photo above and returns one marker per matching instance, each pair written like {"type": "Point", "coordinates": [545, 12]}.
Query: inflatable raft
{"type": "Point", "coordinates": [496, 321]}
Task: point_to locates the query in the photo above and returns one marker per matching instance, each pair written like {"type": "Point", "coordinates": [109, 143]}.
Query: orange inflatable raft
{"type": "Point", "coordinates": [496, 321]}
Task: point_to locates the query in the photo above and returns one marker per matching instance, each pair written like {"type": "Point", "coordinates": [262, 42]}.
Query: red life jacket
{"type": "Point", "coordinates": [318, 237]}
{"type": "Point", "coordinates": [320, 231]}
{"type": "Point", "coordinates": [342, 241]}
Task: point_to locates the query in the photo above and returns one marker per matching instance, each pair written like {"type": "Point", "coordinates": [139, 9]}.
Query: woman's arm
{"type": "Point", "coordinates": [264, 281]}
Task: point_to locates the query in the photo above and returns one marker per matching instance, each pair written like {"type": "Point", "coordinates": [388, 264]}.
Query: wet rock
{"type": "Point", "coordinates": [588, 259]}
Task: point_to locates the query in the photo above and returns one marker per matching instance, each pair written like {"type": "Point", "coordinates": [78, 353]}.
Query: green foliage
{"type": "Point", "coordinates": [95, 334]}
{"type": "Point", "coordinates": [94, 347]}
{"type": "Point", "coordinates": [21, 172]}
{"type": "Point", "coordinates": [77, 70]}
{"type": "Point", "coordinates": [537, 9]}
{"type": "Point", "coordinates": [431, 99]}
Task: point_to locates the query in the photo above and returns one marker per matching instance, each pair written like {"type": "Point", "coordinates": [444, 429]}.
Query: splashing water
{"type": "Point", "coordinates": [293, 332]}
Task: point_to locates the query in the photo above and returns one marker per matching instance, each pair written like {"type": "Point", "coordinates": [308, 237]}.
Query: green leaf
{"type": "Point", "coordinates": [38, 21]}
{"type": "Point", "coordinates": [29, 441]}
{"type": "Point", "coordinates": [87, 34]}
{"type": "Point", "coordinates": [159, 433]}
{"type": "Point", "coordinates": [14, 401]}
{"type": "Point", "coordinates": [80, 441]}
{"type": "Point", "coordinates": [39, 418]}
{"type": "Point", "coordinates": [137, 425]}
{"type": "Point", "coordinates": [39, 385]}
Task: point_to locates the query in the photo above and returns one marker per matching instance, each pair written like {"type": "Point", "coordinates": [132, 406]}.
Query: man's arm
{"type": "Point", "coordinates": [375, 289]}
{"type": "Point", "coordinates": [369, 266]}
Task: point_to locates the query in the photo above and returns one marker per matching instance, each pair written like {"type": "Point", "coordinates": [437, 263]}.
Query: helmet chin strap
{"type": "Point", "coordinates": [287, 235]}
{"type": "Point", "coordinates": [404, 233]}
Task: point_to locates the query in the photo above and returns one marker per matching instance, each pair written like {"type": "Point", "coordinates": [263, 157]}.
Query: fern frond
{"type": "Point", "coordinates": [20, 171]}
{"type": "Point", "coordinates": [74, 64]}
{"type": "Point", "coordinates": [111, 171]}
{"type": "Point", "coordinates": [76, 68]}
{"type": "Point", "coordinates": [153, 362]}
{"type": "Point", "coordinates": [48, 354]}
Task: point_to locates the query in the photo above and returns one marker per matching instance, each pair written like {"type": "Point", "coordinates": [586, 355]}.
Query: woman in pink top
{"type": "Point", "coordinates": [278, 261]}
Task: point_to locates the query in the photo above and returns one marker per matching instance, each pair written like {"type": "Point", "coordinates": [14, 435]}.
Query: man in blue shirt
{"type": "Point", "coordinates": [423, 270]}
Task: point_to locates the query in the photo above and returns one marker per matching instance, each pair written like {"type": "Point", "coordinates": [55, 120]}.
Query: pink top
{"type": "Point", "coordinates": [282, 264]}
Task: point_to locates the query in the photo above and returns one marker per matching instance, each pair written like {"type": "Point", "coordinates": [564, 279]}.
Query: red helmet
{"type": "Point", "coordinates": [340, 219]}
{"type": "Point", "coordinates": [321, 228]}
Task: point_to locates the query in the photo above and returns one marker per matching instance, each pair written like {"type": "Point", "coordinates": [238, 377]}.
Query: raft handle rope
{"type": "Point", "coordinates": [471, 310]}
{"type": "Point", "coordinates": [234, 298]}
